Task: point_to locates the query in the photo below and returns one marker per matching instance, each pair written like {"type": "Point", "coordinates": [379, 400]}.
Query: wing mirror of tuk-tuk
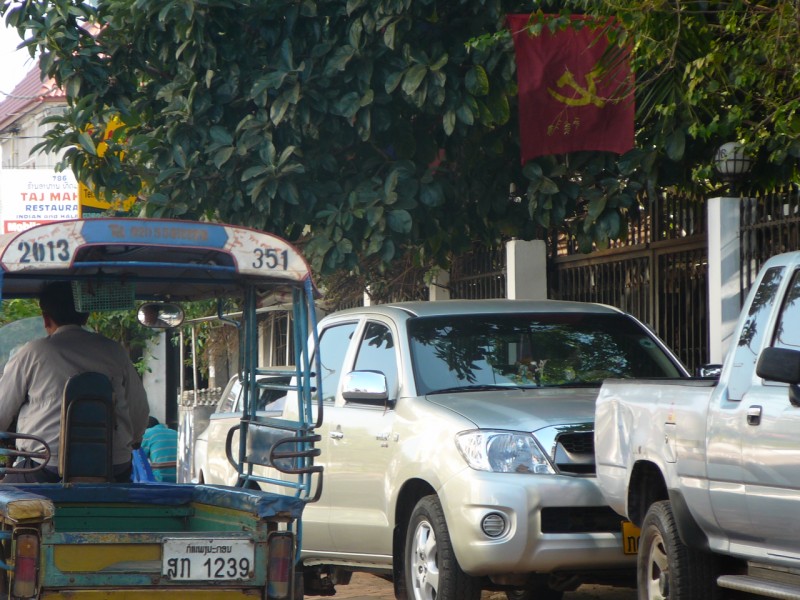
{"type": "Point", "coordinates": [160, 315]}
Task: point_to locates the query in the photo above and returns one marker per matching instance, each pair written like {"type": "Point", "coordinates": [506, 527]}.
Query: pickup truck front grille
{"type": "Point", "coordinates": [584, 519]}
{"type": "Point", "coordinates": [574, 452]}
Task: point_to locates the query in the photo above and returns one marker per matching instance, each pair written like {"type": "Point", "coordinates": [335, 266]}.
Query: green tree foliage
{"type": "Point", "coordinates": [364, 127]}
{"type": "Point", "coordinates": [714, 72]}
{"type": "Point", "coordinates": [706, 73]}
{"type": "Point", "coordinates": [18, 308]}
{"type": "Point", "coordinates": [368, 129]}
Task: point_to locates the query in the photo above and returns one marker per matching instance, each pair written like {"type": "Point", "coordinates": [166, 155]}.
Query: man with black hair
{"type": "Point", "coordinates": [32, 385]}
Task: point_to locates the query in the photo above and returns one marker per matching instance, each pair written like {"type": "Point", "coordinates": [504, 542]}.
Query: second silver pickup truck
{"type": "Point", "coordinates": [710, 470]}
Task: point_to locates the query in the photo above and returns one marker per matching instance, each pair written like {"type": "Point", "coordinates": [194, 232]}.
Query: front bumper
{"type": "Point", "coordinates": [553, 523]}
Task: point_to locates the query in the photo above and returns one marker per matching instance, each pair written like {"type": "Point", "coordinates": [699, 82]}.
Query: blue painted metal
{"type": "Point", "coordinates": [133, 264]}
{"type": "Point", "coordinates": [157, 494]}
{"type": "Point", "coordinates": [176, 233]}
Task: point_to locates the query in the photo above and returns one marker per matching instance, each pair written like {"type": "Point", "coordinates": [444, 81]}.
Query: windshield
{"type": "Point", "coordinates": [531, 350]}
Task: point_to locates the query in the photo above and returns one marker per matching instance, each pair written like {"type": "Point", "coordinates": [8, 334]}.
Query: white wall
{"type": "Point", "coordinates": [155, 379]}
{"type": "Point", "coordinates": [723, 274]}
{"type": "Point", "coordinates": [526, 270]}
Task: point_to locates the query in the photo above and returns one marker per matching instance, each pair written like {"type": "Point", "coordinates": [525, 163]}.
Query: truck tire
{"type": "Point", "coordinates": [666, 568]}
{"type": "Point", "coordinates": [431, 569]}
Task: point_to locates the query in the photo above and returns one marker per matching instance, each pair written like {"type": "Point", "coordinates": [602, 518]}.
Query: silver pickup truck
{"type": "Point", "coordinates": [457, 443]}
{"type": "Point", "coordinates": [710, 470]}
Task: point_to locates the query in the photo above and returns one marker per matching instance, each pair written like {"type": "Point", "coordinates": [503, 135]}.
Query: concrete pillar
{"type": "Point", "coordinates": [438, 289]}
{"type": "Point", "coordinates": [723, 274]}
{"type": "Point", "coordinates": [154, 378]}
{"type": "Point", "coordinates": [526, 270]}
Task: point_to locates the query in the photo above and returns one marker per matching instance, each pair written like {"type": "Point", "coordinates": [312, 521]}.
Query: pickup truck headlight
{"type": "Point", "coordinates": [503, 452]}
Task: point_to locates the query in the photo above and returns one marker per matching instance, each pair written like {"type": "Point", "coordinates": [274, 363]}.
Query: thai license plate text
{"type": "Point", "coordinates": [203, 559]}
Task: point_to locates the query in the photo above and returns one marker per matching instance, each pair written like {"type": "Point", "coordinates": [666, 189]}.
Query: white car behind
{"type": "Point", "coordinates": [210, 463]}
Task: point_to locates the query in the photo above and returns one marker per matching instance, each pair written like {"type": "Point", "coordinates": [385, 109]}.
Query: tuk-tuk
{"type": "Point", "coordinates": [87, 537]}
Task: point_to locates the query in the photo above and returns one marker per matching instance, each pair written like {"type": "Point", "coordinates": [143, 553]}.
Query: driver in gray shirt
{"type": "Point", "coordinates": [32, 385]}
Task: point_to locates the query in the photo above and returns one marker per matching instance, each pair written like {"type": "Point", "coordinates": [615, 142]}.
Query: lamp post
{"type": "Point", "coordinates": [732, 164]}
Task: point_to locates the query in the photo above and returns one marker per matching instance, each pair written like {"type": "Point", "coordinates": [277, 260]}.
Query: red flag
{"type": "Point", "coordinates": [566, 103]}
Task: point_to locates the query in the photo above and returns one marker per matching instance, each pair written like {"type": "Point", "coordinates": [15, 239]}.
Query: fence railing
{"type": "Point", "coordinates": [770, 225]}
{"type": "Point", "coordinates": [480, 273]}
{"type": "Point", "coordinates": [658, 273]}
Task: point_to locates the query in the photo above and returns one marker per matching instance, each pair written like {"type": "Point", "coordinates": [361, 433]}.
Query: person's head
{"type": "Point", "coordinates": [149, 314]}
{"type": "Point", "coordinates": [58, 306]}
{"type": "Point", "coordinates": [151, 422]}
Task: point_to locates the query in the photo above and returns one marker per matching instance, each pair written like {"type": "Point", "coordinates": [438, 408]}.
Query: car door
{"type": "Point", "coordinates": [225, 416]}
{"type": "Point", "coordinates": [771, 446]}
{"type": "Point", "coordinates": [728, 420]}
{"type": "Point", "coordinates": [360, 447]}
{"type": "Point", "coordinates": [334, 342]}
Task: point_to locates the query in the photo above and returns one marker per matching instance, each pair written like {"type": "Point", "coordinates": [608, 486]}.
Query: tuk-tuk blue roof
{"type": "Point", "coordinates": [162, 255]}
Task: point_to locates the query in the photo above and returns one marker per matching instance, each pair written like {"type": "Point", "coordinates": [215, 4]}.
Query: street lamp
{"type": "Point", "coordinates": [732, 163]}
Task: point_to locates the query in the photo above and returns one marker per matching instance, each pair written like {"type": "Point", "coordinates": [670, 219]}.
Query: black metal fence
{"type": "Point", "coordinates": [659, 274]}
{"type": "Point", "coordinates": [480, 273]}
{"type": "Point", "coordinates": [770, 225]}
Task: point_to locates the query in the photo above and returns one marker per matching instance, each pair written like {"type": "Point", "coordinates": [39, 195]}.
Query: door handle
{"type": "Point", "coordinates": [336, 435]}
{"type": "Point", "coordinates": [754, 415]}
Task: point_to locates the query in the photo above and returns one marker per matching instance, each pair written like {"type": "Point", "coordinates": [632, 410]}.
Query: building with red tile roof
{"type": "Point", "coordinates": [21, 114]}
{"type": "Point", "coordinates": [31, 190]}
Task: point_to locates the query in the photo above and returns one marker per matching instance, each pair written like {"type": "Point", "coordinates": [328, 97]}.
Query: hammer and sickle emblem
{"type": "Point", "coordinates": [587, 95]}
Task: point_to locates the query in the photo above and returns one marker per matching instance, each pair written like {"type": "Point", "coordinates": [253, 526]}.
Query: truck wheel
{"type": "Point", "coordinates": [432, 572]}
{"type": "Point", "coordinates": [666, 568]}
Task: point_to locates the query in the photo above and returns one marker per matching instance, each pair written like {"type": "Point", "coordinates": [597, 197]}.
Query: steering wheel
{"type": "Point", "coordinates": [8, 438]}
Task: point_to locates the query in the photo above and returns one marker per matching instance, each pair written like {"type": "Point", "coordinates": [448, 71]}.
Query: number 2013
{"type": "Point", "coordinates": [44, 252]}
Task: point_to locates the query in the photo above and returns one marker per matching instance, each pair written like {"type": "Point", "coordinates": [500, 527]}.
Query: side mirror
{"type": "Point", "coordinates": [160, 315]}
{"type": "Point", "coordinates": [782, 365]}
{"type": "Point", "coordinates": [779, 364]}
{"type": "Point", "coordinates": [367, 387]}
{"type": "Point", "coordinates": [711, 371]}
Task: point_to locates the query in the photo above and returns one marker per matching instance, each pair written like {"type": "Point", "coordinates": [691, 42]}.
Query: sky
{"type": "Point", "coordinates": [14, 64]}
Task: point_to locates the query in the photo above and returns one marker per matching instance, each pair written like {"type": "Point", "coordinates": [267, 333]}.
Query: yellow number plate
{"type": "Point", "coordinates": [630, 537]}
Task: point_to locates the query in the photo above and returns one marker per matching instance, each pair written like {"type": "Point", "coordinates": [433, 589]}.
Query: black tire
{"type": "Point", "coordinates": [666, 568]}
{"type": "Point", "coordinates": [431, 569]}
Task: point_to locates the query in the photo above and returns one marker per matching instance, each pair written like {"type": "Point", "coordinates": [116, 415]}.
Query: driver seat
{"type": "Point", "coordinates": [87, 424]}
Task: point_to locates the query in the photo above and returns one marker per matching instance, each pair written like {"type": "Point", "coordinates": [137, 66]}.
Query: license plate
{"type": "Point", "coordinates": [207, 559]}
{"type": "Point", "coordinates": [630, 537]}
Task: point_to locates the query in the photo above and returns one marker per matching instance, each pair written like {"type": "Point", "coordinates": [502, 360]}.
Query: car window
{"type": "Point", "coordinates": [333, 343]}
{"type": "Point", "coordinates": [753, 330]}
{"type": "Point", "coordinates": [377, 352]}
{"type": "Point", "coordinates": [271, 399]}
{"type": "Point", "coordinates": [455, 352]}
{"type": "Point", "coordinates": [787, 334]}
{"type": "Point", "coordinates": [228, 403]}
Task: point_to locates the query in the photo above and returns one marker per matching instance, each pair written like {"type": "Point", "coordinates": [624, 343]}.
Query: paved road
{"type": "Point", "coordinates": [370, 587]}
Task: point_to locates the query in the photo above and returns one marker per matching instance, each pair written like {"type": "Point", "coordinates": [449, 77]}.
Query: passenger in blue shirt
{"type": "Point", "coordinates": [160, 444]}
